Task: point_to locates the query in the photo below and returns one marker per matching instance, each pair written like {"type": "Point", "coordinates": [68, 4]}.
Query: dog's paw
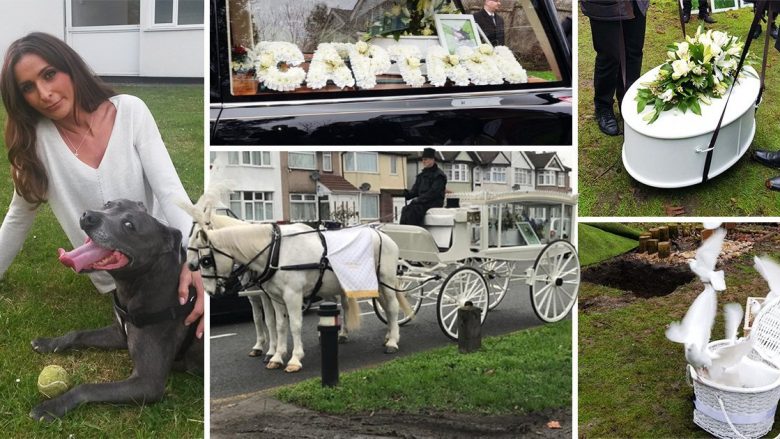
{"type": "Point", "coordinates": [44, 345]}
{"type": "Point", "coordinates": [47, 411]}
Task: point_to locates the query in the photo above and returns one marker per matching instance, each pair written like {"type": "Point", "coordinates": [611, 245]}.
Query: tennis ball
{"type": "Point", "coordinates": [53, 381]}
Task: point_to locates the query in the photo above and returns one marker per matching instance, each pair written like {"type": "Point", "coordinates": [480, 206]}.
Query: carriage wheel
{"type": "Point", "coordinates": [462, 285]}
{"type": "Point", "coordinates": [497, 273]}
{"type": "Point", "coordinates": [414, 295]}
{"type": "Point", "coordinates": [556, 280]}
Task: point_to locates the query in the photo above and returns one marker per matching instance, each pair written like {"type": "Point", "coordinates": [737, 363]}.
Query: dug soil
{"type": "Point", "coordinates": [260, 415]}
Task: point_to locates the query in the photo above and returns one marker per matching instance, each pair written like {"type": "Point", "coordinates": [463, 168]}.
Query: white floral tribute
{"type": "Point", "coordinates": [275, 65]}
{"type": "Point", "coordinates": [513, 72]}
{"type": "Point", "coordinates": [441, 65]}
{"type": "Point", "coordinates": [328, 65]}
{"type": "Point", "coordinates": [696, 70]}
{"type": "Point", "coordinates": [367, 61]}
{"type": "Point", "coordinates": [481, 64]}
{"type": "Point", "coordinates": [409, 62]}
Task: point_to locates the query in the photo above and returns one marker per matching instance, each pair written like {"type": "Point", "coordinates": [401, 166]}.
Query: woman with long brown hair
{"type": "Point", "coordinates": [74, 143]}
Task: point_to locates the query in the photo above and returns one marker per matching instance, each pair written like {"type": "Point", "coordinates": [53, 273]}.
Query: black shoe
{"type": "Point", "coordinates": [773, 32]}
{"type": "Point", "coordinates": [707, 18]}
{"type": "Point", "coordinates": [773, 184]}
{"type": "Point", "coordinates": [767, 158]}
{"type": "Point", "coordinates": [607, 122]}
{"type": "Point", "coordinates": [686, 16]}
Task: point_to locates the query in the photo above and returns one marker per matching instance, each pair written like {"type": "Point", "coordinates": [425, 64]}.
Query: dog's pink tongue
{"type": "Point", "coordinates": [83, 256]}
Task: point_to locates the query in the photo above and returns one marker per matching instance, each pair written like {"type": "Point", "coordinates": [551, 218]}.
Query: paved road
{"type": "Point", "coordinates": [234, 373]}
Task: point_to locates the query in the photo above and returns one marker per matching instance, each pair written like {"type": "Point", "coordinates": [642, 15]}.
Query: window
{"type": "Point", "coordinates": [253, 206]}
{"type": "Point", "coordinates": [456, 172]}
{"type": "Point", "coordinates": [496, 175]}
{"type": "Point", "coordinates": [393, 165]}
{"type": "Point", "coordinates": [523, 177]}
{"type": "Point", "coordinates": [303, 207]}
{"type": "Point", "coordinates": [361, 162]}
{"type": "Point", "coordinates": [477, 175]}
{"type": "Point", "coordinates": [179, 12]}
{"type": "Point", "coordinates": [369, 207]}
{"type": "Point", "coordinates": [302, 160]}
{"type": "Point", "coordinates": [103, 13]}
{"type": "Point", "coordinates": [545, 178]}
{"type": "Point", "coordinates": [327, 162]}
{"type": "Point", "coordinates": [561, 179]}
{"type": "Point", "coordinates": [249, 158]}
{"type": "Point", "coordinates": [309, 24]}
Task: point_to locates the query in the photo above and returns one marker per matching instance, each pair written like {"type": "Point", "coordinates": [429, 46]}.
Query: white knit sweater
{"type": "Point", "coordinates": [136, 166]}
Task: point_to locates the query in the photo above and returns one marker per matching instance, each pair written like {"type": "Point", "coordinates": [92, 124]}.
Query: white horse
{"type": "Point", "coordinates": [251, 245]}
{"type": "Point", "coordinates": [263, 313]}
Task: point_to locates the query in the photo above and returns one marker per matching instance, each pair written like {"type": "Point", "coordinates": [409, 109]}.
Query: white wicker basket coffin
{"type": "Point", "coordinates": [671, 151]}
{"type": "Point", "coordinates": [737, 412]}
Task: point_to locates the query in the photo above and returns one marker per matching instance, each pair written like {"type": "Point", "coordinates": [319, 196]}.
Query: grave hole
{"type": "Point", "coordinates": [639, 278]}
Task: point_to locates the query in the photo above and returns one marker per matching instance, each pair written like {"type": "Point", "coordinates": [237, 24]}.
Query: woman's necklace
{"type": "Point", "coordinates": [69, 142]}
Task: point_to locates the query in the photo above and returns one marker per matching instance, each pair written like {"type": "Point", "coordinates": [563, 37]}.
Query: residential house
{"type": "Point", "coordinates": [380, 176]}
{"type": "Point", "coordinates": [144, 38]}
{"type": "Point", "coordinates": [550, 174]}
{"type": "Point", "coordinates": [255, 178]}
{"type": "Point", "coordinates": [492, 171]}
{"type": "Point", "coordinates": [523, 173]}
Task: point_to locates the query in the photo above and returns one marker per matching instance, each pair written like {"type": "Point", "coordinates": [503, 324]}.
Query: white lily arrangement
{"type": "Point", "coordinates": [442, 65]}
{"type": "Point", "coordinates": [327, 64]}
{"type": "Point", "coordinates": [513, 72]}
{"type": "Point", "coordinates": [696, 70]}
{"type": "Point", "coordinates": [367, 61]}
{"type": "Point", "coordinates": [275, 65]}
{"type": "Point", "coordinates": [409, 63]}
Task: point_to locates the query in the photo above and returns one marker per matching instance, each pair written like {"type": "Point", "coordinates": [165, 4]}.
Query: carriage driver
{"type": "Point", "coordinates": [428, 190]}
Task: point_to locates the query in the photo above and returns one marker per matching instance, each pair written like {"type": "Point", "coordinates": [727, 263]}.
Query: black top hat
{"type": "Point", "coordinates": [429, 153]}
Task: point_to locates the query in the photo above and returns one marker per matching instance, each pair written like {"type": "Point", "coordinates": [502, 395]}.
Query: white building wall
{"type": "Point", "coordinates": [22, 17]}
{"type": "Point", "coordinates": [251, 178]}
{"type": "Point", "coordinates": [181, 54]}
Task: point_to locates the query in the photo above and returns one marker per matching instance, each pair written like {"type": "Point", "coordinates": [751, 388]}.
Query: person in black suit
{"type": "Point", "coordinates": [490, 22]}
{"type": "Point", "coordinates": [703, 11]}
{"type": "Point", "coordinates": [615, 25]}
{"type": "Point", "coordinates": [428, 190]}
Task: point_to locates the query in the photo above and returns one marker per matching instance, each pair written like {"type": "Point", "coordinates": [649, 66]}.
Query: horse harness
{"type": "Point", "coordinates": [272, 263]}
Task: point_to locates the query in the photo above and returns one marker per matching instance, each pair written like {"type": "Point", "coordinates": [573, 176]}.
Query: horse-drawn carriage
{"type": "Point", "coordinates": [486, 245]}
{"type": "Point", "coordinates": [478, 249]}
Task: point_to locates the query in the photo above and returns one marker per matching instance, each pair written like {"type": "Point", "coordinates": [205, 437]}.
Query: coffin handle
{"type": "Point", "coordinates": [698, 149]}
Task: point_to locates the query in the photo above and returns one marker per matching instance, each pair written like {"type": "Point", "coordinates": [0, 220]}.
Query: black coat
{"type": "Point", "coordinates": [494, 32]}
{"type": "Point", "coordinates": [612, 10]}
{"type": "Point", "coordinates": [429, 187]}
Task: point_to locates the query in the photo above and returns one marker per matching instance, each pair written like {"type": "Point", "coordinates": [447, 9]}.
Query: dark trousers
{"type": "Point", "coordinates": [703, 10]}
{"type": "Point", "coordinates": [413, 214]}
{"type": "Point", "coordinates": [607, 76]}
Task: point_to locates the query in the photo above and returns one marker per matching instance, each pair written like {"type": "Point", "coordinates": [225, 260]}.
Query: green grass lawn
{"type": "Point", "coordinates": [631, 378]}
{"type": "Point", "coordinates": [519, 373]}
{"type": "Point", "coordinates": [601, 244]}
{"type": "Point", "coordinates": [40, 297]}
{"type": "Point", "coordinates": [605, 187]}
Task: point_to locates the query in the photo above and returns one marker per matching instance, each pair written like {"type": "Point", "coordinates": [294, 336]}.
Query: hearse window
{"type": "Point", "coordinates": [284, 49]}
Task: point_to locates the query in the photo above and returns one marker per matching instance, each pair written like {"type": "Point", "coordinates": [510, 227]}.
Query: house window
{"type": "Point", "coordinates": [477, 175]}
{"type": "Point", "coordinates": [302, 160]}
{"type": "Point", "coordinates": [369, 207]}
{"type": "Point", "coordinates": [233, 157]}
{"type": "Point", "coordinates": [249, 158]}
{"type": "Point", "coordinates": [545, 178]}
{"type": "Point", "coordinates": [393, 165]}
{"type": "Point", "coordinates": [361, 162]}
{"type": "Point", "coordinates": [497, 175]}
{"type": "Point", "coordinates": [179, 12]}
{"type": "Point", "coordinates": [102, 13]}
{"type": "Point", "coordinates": [253, 206]}
{"type": "Point", "coordinates": [327, 162]}
{"type": "Point", "coordinates": [523, 177]}
{"type": "Point", "coordinates": [303, 207]}
{"type": "Point", "coordinates": [457, 172]}
{"type": "Point", "coordinates": [561, 179]}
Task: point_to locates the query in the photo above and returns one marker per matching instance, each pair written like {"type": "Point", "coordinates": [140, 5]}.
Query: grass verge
{"type": "Point", "coordinates": [597, 245]}
{"type": "Point", "coordinates": [521, 372]}
{"type": "Point", "coordinates": [607, 190]}
{"type": "Point", "coordinates": [39, 297]}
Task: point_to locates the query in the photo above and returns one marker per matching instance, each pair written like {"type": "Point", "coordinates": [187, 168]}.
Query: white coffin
{"type": "Point", "coordinates": [671, 151]}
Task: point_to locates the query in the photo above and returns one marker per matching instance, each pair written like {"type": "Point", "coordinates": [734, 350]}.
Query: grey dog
{"type": "Point", "coordinates": [145, 258]}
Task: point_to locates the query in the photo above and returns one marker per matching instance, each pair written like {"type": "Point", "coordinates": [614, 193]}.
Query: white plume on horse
{"type": "Point", "coordinates": [696, 327]}
{"type": "Point", "coordinates": [706, 258]}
